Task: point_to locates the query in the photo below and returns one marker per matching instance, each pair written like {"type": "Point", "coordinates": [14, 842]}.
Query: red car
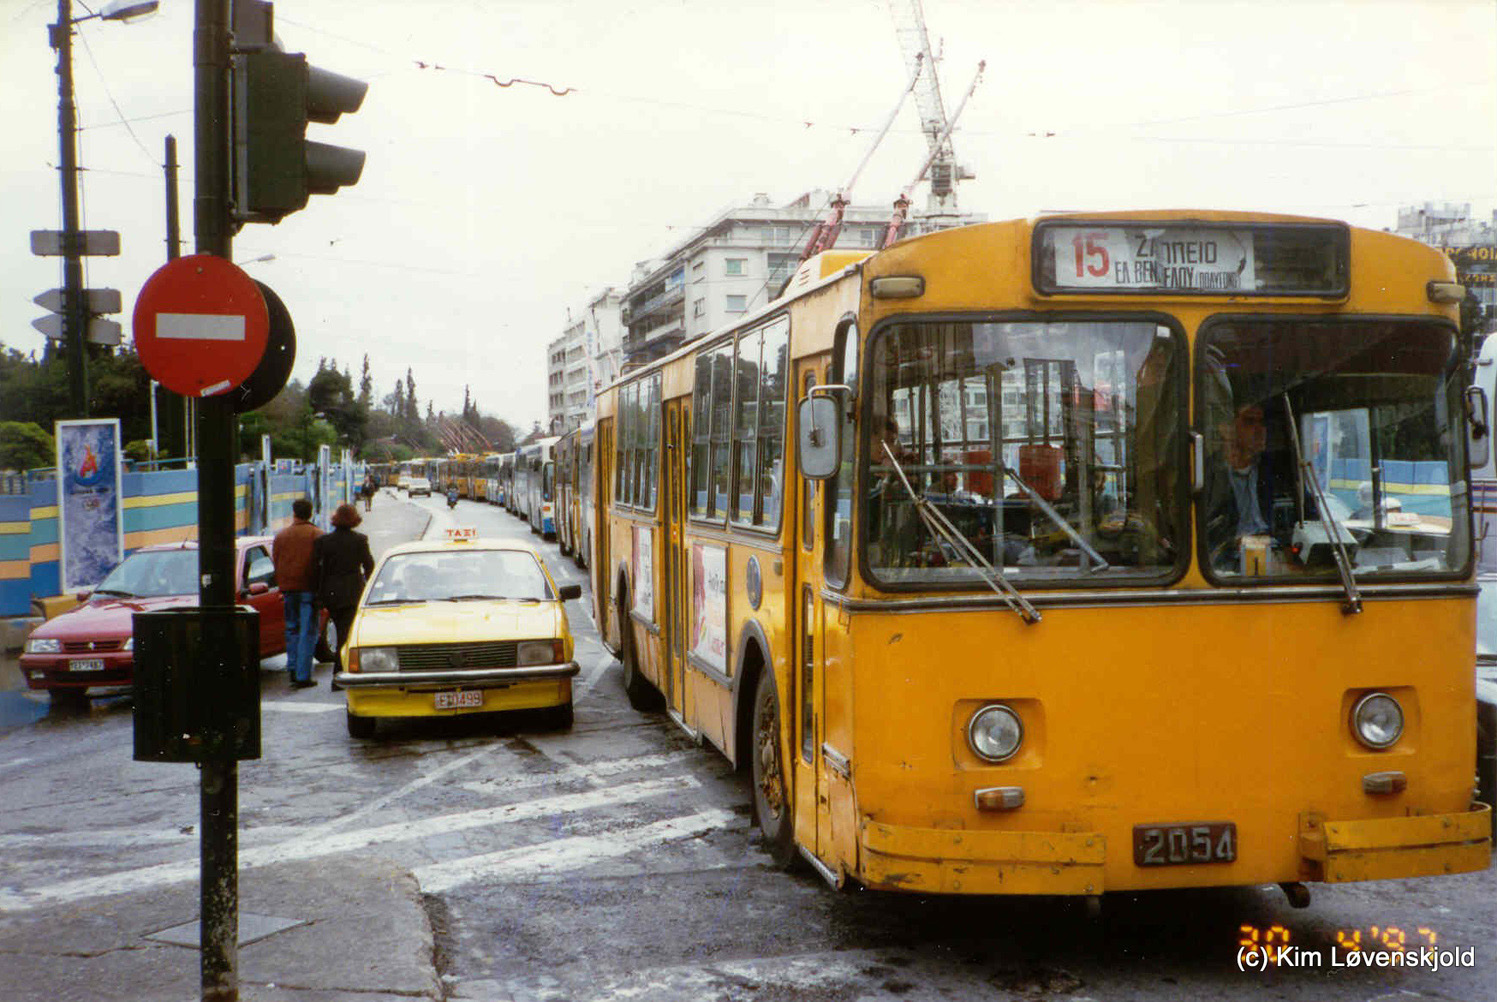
{"type": "Point", "coordinates": [91, 646]}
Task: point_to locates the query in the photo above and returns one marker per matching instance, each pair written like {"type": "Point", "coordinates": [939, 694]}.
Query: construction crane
{"type": "Point", "coordinates": [944, 170]}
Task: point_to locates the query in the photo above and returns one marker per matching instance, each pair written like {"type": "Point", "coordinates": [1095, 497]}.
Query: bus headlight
{"type": "Point", "coordinates": [995, 733]}
{"type": "Point", "coordinates": [1377, 720]}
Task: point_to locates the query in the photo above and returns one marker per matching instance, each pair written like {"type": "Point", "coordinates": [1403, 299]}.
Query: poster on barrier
{"type": "Point", "coordinates": [90, 510]}
{"type": "Point", "coordinates": [644, 572]}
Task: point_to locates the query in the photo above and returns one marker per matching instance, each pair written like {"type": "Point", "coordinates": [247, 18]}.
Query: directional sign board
{"type": "Point", "coordinates": [200, 326]}
{"type": "Point", "coordinates": [91, 243]}
{"type": "Point", "coordinates": [99, 331]}
{"type": "Point", "coordinates": [94, 300]}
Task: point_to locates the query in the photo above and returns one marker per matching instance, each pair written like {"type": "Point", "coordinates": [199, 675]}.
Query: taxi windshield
{"type": "Point", "coordinates": [455, 575]}
{"type": "Point", "coordinates": [152, 574]}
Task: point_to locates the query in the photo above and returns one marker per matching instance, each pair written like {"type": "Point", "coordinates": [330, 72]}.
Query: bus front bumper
{"type": "Point", "coordinates": [951, 861]}
{"type": "Point", "coordinates": [960, 861]}
{"type": "Point", "coordinates": [1419, 845]}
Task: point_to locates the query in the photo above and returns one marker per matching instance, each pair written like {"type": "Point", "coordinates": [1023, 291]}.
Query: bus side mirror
{"type": "Point", "coordinates": [1479, 440]}
{"type": "Point", "coordinates": [820, 427]}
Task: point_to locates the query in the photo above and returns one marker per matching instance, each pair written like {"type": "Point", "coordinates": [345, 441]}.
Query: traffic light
{"type": "Point", "coordinates": [275, 167]}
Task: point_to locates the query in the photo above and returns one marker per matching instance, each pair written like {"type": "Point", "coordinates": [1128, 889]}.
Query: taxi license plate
{"type": "Point", "coordinates": [1184, 844]}
{"type": "Point", "coordinates": [86, 664]}
{"type": "Point", "coordinates": [458, 700]}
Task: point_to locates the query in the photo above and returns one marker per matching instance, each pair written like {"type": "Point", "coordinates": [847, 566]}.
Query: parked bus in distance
{"type": "Point", "coordinates": [540, 485]}
{"type": "Point", "coordinates": [1033, 557]}
{"type": "Point", "coordinates": [583, 515]}
{"type": "Point", "coordinates": [566, 495]}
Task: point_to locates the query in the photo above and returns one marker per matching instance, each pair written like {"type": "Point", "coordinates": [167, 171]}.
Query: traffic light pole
{"type": "Point", "coordinates": [219, 783]}
{"type": "Point", "coordinates": [74, 320]}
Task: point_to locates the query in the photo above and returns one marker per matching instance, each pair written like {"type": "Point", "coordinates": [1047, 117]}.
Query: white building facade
{"type": "Point", "coordinates": [586, 357]}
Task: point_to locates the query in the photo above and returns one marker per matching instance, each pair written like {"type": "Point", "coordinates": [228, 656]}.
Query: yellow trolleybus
{"type": "Point", "coordinates": [1069, 555]}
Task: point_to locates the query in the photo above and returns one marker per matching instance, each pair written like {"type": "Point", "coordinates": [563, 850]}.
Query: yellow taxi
{"type": "Point", "coordinates": [455, 626]}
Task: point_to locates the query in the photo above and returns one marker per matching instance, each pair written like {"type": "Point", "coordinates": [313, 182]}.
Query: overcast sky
{"type": "Point", "coordinates": [485, 212]}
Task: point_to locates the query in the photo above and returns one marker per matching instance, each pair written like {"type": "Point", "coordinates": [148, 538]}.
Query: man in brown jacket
{"type": "Point", "coordinates": [292, 554]}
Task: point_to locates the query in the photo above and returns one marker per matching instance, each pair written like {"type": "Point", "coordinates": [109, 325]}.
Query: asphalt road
{"type": "Point", "coordinates": [616, 861]}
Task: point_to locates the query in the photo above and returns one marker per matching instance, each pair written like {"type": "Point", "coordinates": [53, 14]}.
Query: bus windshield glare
{"type": "Point", "coordinates": [1052, 446]}
{"type": "Point", "coordinates": [1318, 431]}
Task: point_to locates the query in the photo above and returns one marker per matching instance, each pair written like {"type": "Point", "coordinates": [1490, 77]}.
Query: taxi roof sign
{"type": "Point", "coordinates": [461, 534]}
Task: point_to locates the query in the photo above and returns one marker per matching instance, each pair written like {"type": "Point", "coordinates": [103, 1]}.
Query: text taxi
{"type": "Point", "coordinates": [457, 626]}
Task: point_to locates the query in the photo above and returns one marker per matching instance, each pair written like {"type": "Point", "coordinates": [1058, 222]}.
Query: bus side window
{"type": "Point", "coordinates": [808, 488]}
{"type": "Point", "coordinates": [837, 499]}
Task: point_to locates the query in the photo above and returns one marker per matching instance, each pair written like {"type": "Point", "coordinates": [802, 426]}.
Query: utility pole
{"type": "Point", "coordinates": [74, 320]}
{"type": "Point", "coordinates": [219, 789]}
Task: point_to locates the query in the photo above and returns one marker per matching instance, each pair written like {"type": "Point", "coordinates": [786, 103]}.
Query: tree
{"type": "Point", "coordinates": [366, 387]}
{"type": "Point", "coordinates": [24, 445]}
{"type": "Point", "coordinates": [412, 411]}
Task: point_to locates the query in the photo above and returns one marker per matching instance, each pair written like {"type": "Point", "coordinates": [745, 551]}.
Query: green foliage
{"type": "Point", "coordinates": [24, 445]}
{"type": "Point", "coordinates": [139, 450]}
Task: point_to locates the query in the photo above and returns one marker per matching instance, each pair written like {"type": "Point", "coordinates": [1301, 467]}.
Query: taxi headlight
{"type": "Point", "coordinates": [373, 659]}
{"type": "Point", "coordinates": [538, 652]}
{"type": "Point", "coordinates": [43, 645]}
{"type": "Point", "coordinates": [129, 644]}
{"type": "Point", "coordinates": [1377, 720]}
{"type": "Point", "coordinates": [995, 733]}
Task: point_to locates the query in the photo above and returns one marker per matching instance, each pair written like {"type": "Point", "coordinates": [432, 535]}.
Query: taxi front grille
{"type": "Point", "coordinates": [455, 657]}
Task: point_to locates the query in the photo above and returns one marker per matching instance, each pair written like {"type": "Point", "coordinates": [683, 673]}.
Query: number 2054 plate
{"type": "Point", "coordinates": [1184, 844]}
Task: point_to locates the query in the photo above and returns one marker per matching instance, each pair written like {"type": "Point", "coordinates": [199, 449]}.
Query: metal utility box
{"type": "Point", "coordinates": [197, 685]}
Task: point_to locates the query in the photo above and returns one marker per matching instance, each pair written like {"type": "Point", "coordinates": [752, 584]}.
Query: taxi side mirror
{"type": "Point", "coordinates": [570, 591]}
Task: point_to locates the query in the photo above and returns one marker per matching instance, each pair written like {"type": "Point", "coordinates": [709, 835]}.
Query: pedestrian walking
{"type": "Point", "coordinates": [368, 490]}
{"type": "Point", "coordinates": [292, 554]}
{"type": "Point", "coordinates": [342, 563]}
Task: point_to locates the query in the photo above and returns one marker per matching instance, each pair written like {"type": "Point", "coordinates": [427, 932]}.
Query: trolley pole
{"type": "Point", "coordinates": [219, 791]}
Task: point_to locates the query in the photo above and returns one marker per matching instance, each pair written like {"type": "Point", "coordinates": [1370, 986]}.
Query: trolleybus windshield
{"type": "Point", "coordinates": [1053, 446]}
{"type": "Point", "coordinates": [1322, 430]}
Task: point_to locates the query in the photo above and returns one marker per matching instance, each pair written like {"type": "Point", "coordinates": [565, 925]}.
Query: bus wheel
{"type": "Point", "coordinates": [642, 695]}
{"type": "Point", "coordinates": [771, 806]}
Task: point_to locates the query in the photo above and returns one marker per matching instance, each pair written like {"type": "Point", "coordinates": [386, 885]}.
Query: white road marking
{"type": "Point", "coordinates": [286, 706]}
{"type": "Point", "coordinates": [592, 772]}
{"type": "Point", "coordinates": [13, 763]}
{"type": "Point", "coordinates": [23, 899]}
{"type": "Point", "coordinates": [564, 854]}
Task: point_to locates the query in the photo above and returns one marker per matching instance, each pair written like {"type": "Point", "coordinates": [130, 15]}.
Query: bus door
{"type": "Point", "coordinates": [678, 597]}
{"type": "Point", "coordinates": [804, 704]}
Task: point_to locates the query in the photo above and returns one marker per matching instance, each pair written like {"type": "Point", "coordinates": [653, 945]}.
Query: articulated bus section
{"type": "Point", "coordinates": [1065, 556]}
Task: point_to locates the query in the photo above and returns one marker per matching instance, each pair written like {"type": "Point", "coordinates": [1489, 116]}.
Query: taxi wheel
{"type": "Point", "coordinates": [361, 727]}
{"type": "Point", "coordinates": [771, 805]}
{"type": "Point", "coordinates": [560, 717]}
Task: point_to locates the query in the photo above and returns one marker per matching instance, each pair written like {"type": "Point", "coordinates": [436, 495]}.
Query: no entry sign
{"type": "Point", "coordinates": [200, 325]}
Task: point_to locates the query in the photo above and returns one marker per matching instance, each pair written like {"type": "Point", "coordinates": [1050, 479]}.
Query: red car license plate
{"type": "Point", "coordinates": [86, 664]}
{"type": "Point", "coordinates": [458, 700]}
{"type": "Point", "coordinates": [1184, 844]}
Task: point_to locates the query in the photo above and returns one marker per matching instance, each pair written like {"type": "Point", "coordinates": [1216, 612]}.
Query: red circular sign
{"type": "Point", "coordinates": [200, 326]}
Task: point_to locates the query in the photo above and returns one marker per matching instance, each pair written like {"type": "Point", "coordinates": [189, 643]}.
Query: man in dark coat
{"type": "Point", "coordinates": [342, 563]}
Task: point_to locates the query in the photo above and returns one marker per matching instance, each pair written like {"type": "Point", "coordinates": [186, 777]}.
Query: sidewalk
{"type": "Point", "coordinates": [343, 928]}
{"type": "Point", "coordinates": [357, 933]}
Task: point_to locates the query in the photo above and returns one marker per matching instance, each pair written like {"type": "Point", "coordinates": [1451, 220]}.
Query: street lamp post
{"type": "Point", "coordinates": [74, 314]}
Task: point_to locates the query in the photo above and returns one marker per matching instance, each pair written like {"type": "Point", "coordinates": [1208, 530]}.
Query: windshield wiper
{"type": "Point", "coordinates": [1056, 517]}
{"type": "Point", "coordinates": [940, 526]}
{"type": "Point", "coordinates": [1353, 603]}
{"type": "Point", "coordinates": [475, 598]}
{"type": "Point", "coordinates": [397, 601]}
{"type": "Point", "coordinates": [115, 591]}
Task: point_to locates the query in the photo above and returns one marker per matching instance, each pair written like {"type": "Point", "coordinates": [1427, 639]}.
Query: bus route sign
{"type": "Point", "coordinates": [201, 325]}
{"type": "Point", "coordinates": [1144, 258]}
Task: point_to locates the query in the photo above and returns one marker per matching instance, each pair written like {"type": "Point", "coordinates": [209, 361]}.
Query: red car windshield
{"type": "Point", "coordinates": [153, 573]}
